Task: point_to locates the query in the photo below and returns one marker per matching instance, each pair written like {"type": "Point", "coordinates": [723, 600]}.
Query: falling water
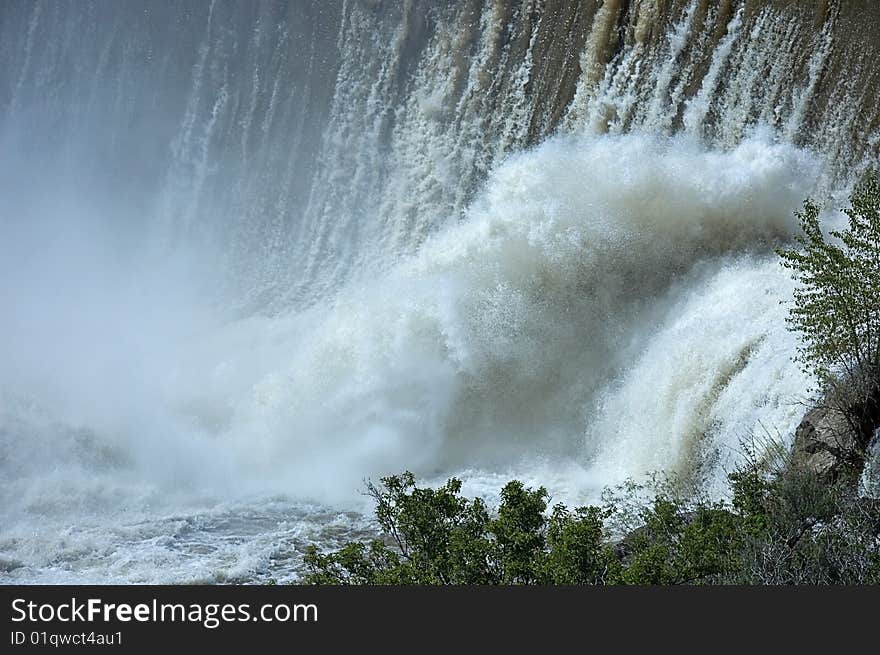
{"type": "Point", "coordinates": [254, 253]}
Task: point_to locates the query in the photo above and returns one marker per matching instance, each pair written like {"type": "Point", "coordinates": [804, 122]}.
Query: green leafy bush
{"type": "Point", "coordinates": [435, 536]}
{"type": "Point", "coordinates": [789, 527]}
{"type": "Point", "coordinates": [836, 307]}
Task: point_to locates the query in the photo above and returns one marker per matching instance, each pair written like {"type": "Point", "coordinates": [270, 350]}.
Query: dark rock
{"type": "Point", "coordinates": [825, 443]}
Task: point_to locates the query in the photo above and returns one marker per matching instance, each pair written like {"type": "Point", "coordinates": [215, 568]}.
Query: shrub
{"type": "Point", "coordinates": [783, 527]}
{"type": "Point", "coordinates": [434, 536]}
{"type": "Point", "coordinates": [836, 307]}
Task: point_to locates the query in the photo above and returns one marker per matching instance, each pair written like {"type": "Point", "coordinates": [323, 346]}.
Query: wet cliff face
{"type": "Point", "coordinates": [347, 131]}
{"type": "Point", "coordinates": [717, 68]}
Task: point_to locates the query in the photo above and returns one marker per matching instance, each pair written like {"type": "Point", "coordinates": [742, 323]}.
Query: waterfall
{"type": "Point", "coordinates": [255, 252]}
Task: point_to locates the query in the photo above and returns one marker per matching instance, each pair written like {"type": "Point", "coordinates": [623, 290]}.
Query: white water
{"type": "Point", "coordinates": [599, 307]}
{"type": "Point", "coordinates": [516, 343]}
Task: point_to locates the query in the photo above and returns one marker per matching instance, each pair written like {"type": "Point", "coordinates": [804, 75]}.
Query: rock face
{"type": "Point", "coordinates": [825, 443]}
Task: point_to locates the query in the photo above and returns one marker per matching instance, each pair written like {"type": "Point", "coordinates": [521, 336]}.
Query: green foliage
{"type": "Point", "coordinates": [751, 490]}
{"type": "Point", "coordinates": [811, 532]}
{"type": "Point", "coordinates": [836, 307]}
{"type": "Point", "coordinates": [785, 527]}
{"type": "Point", "coordinates": [434, 536]}
{"type": "Point", "coordinates": [577, 552]}
{"type": "Point", "coordinates": [518, 533]}
{"type": "Point", "coordinates": [676, 546]}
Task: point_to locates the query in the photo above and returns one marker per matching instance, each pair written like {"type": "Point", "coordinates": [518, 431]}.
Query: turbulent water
{"type": "Point", "coordinates": [253, 253]}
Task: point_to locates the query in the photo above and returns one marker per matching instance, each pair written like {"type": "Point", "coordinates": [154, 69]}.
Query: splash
{"type": "Point", "coordinates": [503, 335]}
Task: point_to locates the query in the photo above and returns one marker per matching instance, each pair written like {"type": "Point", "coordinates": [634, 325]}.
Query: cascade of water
{"type": "Point", "coordinates": [272, 247]}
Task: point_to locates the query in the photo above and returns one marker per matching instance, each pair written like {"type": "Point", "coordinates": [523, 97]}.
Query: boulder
{"type": "Point", "coordinates": [825, 443]}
